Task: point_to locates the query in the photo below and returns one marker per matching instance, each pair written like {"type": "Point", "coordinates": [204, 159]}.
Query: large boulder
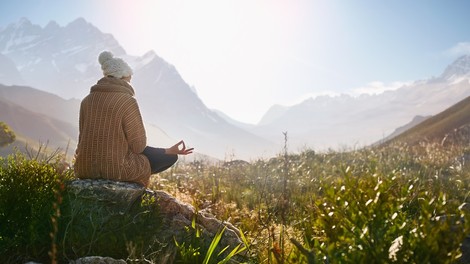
{"type": "Point", "coordinates": [121, 220]}
{"type": "Point", "coordinates": [98, 260]}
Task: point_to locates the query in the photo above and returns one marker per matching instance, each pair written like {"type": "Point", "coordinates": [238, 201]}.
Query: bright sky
{"type": "Point", "coordinates": [243, 56]}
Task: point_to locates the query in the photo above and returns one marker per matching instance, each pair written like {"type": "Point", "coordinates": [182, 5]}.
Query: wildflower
{"type": "Point", "coordinates": [395, 247]}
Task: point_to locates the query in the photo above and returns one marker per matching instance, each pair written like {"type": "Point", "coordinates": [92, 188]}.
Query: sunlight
{"type": "Point", "coordinates": [232, 49]}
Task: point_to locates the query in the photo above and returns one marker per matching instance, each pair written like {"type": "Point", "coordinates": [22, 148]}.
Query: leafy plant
{"type": "Point", "coordinates": [7, 135]}
{"type": "Point", "coordinates": [392, 204]}
{"type": "Point", "coordinates": [396, 204]}
{"type": "Point", "coordinates": [192, 253]}
{"type": "Point", "coordinates": [28, 191]}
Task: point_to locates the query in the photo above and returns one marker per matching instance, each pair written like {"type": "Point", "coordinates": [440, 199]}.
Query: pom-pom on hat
{"type": "Point", "coordinates": [112, 66]}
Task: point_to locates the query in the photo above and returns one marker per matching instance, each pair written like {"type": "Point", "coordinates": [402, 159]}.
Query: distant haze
{"type": "Point", "coordinates": [244, 56]}
{"type": "Point", "coordinates": [59, 62]}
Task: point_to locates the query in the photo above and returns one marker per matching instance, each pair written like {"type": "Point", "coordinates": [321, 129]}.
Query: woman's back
{"type": "Point", "coordinates": [112, 134]}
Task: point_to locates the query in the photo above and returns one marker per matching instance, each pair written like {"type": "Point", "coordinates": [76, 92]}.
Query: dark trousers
{"type": "Point", "coordinates": [159, 161]}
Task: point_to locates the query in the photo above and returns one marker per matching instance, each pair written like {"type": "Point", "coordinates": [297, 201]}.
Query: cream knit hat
{"type": "Point", "coordinates": [112, 66]}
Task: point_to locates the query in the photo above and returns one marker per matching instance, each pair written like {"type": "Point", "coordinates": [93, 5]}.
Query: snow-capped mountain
{"type": "Point", "coordinates": [346, 121]}
{"type": "Point", "coordinates": [460, 68]}
{"type": "Point", "coordinates": [168, 101]}
{"type": "Point", "coordinates": [63, 61]}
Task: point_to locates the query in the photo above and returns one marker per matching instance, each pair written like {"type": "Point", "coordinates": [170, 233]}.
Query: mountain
{"type": "Point", "coordinates": [36, 129]}
{"type": "Point", "coordinates": [416, 121]}
{"type": "Point", "coordinates": [167, 101]}
{"type": "Point", "coordinates": [63, 61]}
{"type": "Point", "coordinates": [40, 117]}
{"type": "Point", "coordinates": [347, 121]}
{"type": "Point", "coordinates": [458, 69]}
{"type": "Point", "coordinates": [34, 117]}
{"type": "Point", "coordinates": [42, 102]}
{"type": "Point", "coordinates": [232, 121]}
{"type": "Point", "coordinates": [447, 124]}
{"type": "Point", "coordinates": [8, 72]}
{"type": "Point", "coordinates": [274, 112]}
{"type": "Point", "coordinates": [60, 60]}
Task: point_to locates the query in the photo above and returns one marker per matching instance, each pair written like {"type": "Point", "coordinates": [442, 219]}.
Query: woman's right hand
{"type": "Point", "coordinates": [179, 149]}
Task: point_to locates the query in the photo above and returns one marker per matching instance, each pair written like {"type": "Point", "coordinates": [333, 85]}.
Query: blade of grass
{"type": "Point", "coordinates": [213, 245]}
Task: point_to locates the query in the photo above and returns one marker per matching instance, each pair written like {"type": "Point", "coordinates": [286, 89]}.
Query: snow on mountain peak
{"type": "Point", "coordinates": [458, 68]}
{"type": "Point", "coordinates": [52, 26]}
{"type": "Point", "coordinates": [79, 22]}
{"type": "Point", "coordinates": [70, 52]}
{"type": "Point", "coordinates": [23, 22]}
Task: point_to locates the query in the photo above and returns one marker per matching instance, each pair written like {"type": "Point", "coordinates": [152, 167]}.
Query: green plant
{"type": "Point", "coordinates": [108, 227]}
{"type": "Point", "coordinates": [28, 190]}
{"type": "Point", "coordinates": [396, 204]}
{"type": "Point", "coordinates": [345, 207]}
{"type": "Point", "coordinates": [191, 253]}
{"type": "Point", "coordinates": [7, 136]}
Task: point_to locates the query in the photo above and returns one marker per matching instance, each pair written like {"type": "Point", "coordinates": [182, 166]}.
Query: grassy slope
{"type": "Point", "coordinates": [436, 127]}
{"type": "Point", "coordinates": [33, 129]}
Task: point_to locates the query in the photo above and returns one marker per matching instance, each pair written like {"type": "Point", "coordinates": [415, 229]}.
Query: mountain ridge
{"type": "Point", "coordinates": [65, 63]}
{"type": "Point", "coordinates": [37, 128]}
{"type": "Point", "coordinates": [68, 58]}
{"type": "Point", "coordinates": [327, 122]}
{"type": "Point", "coordinates": [436, 128]}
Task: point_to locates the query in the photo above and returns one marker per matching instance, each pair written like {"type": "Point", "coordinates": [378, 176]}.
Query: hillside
{"type": "Point", "coordinates": [416, 120]}
{"type": "Point", "coordinates": [34, 129]}
{"type": "Point", "coordinates": [26, 146]}
{"type": "Point", "coordinates": [437, 127]}
{"type": "Point", "coordinates": [42, 102]}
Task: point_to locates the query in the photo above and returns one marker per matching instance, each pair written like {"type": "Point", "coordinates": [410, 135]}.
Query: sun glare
{"type": "Point", "coordinates": [227, 49]}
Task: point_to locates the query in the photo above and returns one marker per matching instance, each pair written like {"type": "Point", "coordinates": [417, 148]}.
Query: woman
{"type": "Point", "coordinates": [112, 143]}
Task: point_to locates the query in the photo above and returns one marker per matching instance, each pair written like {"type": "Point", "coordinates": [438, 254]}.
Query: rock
{"type": "Point", "coordinates": [98, 260]}
{"type": "Point", "coordinates": [120, 219]}
{"type": "Point", "coordinates": [120, 194]}
{"type": "Point", "coordinates": [178, 215]}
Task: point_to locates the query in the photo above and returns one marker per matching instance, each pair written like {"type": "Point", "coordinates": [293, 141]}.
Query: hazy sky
{"type": "Point", "coordinates": [243, 56]}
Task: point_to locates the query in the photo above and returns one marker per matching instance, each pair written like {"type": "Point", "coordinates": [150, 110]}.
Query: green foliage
{"type": "Point", "coordinates": [40, 220]}
{"type": "Point", "coordinates": [397, 204]}
{"type": "Point", "coordinates": [358, 218]}
{"type": "Point", "coordinates": [28, 191]}
{"type": "Point", "coordinates": [90, 227]}
{"type": "Point", "coordinates": [192, 252]}
{"type": "Point", "coordinates": [7, 136]}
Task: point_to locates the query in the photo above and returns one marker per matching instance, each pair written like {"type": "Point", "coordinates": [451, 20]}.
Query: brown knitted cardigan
{"type": "Point", "coordinates": [111, 134]}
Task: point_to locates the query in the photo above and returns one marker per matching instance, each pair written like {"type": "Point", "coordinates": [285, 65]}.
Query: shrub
{"type": "Point", "coordinates": [7, 135]}
{"type": "Point", "coordinates": [371, 218]}
{"type": "Point", "coordinates": [28, 192]}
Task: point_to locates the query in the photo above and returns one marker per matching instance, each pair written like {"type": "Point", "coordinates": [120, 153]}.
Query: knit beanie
{"type": "Point", "coordinates": [112, 66]}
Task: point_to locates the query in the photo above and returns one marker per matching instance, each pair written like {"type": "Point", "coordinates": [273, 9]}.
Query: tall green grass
{"type": "Point", "coordinates": [41, 221]}
{"type": "Point", "coordinates": [398, 204]}
{"type": "Point", "coordinates": [377, 205]}
{"type": "Point", "coordinates": [29, 199]}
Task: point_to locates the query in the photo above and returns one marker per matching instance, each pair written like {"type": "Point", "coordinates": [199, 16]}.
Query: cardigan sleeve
{"type": "Point", "coordinates": [134, 127]}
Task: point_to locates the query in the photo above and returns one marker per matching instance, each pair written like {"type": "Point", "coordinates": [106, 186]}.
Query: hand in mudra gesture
{"type": "Point", "coordinates": [179, 149]}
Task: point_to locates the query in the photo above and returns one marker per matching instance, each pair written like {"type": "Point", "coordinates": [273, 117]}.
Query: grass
{"type": "Point", "coordinates": [381, 205]}
{"type": "Point", "coordinates": [398, 204]}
